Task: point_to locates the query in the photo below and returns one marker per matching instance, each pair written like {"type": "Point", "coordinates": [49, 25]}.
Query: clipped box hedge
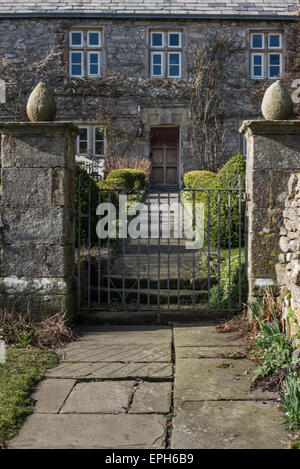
{"type": "Point", "coordinates": [132, 178]}
{"type": "Point", "coordinates": [226, 178]}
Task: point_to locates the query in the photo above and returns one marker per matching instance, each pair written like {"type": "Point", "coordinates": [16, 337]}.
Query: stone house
{"type": "Point", "coordinates": [125, 72]}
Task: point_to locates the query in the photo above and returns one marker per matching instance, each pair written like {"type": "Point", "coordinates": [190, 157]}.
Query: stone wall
{"type": "Point", "coordinates": [37, 217]}
{"type": "Point", "coordinates": [288, 268]}
{"type": "Point", "coordinates": [125, 82]}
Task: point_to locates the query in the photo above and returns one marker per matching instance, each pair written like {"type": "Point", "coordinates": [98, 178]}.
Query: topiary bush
{"type": "Point", "coordinates": [133, 178]}
{"type": "Point", "coordinates": [227, 178]}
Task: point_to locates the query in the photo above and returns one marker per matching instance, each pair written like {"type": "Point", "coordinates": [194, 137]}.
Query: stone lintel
{"type": "Point", "coordinates": [265, 127]}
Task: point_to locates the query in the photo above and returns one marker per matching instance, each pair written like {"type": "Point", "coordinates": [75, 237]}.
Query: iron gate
{"type": "Point", "coordinates": [135, 252]}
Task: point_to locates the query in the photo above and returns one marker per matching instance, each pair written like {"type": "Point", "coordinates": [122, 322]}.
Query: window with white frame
{"type": "Point", "coordinates": [166, 54]}
{"type": "Point", "coordinates": [91, 141]}
{"type": "Point", "coordinates": [266, 55]}
{"type": "Point", "coordinates": [85, 53]}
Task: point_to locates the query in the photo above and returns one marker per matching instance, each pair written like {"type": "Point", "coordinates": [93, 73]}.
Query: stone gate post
{"type": "Point", "coordinates": [37, 216]}
{"type": "Point", "coordinates": [273, 152]}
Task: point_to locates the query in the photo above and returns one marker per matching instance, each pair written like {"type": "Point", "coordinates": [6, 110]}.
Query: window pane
{"type": "Point", "coordinates": [174, 65]}
{"type": "Point", "coordinates": [93, 39]}
{"type": "Point", "coordinates": [257, 71]}
{"type": "Point", "coordinates": [274, 65]}
{"type": "Point", "coordinates": [257, 60]}
{"type": "Point", "coordinates": [156, 64]}
{"type": "Point", "coordinates": [156, 39]}
{"type": "Point", "coordinates": [99, 148]}
{"type": "Point", "coordinates": [93, 63]}
{"type": "Point", "coordinates": [174, 40]}
{"type": "Point", "coordinates": [83, 134]}
{"type": "Point", "coordinates": [274, 40]}
{"type": "Point", "coordinates": [76, 63]}
{"type": "Point", "coordinates": [99, 133]}
{"type": "Point", "coordinates": [76, 38]}
{"type": "Point", "coordinates": [82, 140]}
{"type": "Point", "coordinates": [257, 41]}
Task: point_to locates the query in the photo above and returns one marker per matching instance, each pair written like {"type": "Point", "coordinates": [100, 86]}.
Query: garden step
{"type": "Point", "coordinates": [185, 283]}
{"type": "Point", "coordinates": [185, 296]}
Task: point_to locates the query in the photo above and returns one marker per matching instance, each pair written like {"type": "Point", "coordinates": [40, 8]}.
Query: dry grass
{"type": "Point", "coordinates": [24, 329]}
{"type": "Point", "coordinates": [128, 162]}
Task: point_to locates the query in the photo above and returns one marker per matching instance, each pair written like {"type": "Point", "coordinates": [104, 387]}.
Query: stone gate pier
{"type": "Point", "coordinates": [37, 216]}
{"type": "Point", "coordinates": [273, 153]}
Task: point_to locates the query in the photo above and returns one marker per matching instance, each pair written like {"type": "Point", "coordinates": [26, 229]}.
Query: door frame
{"type": "Point", "coordinates": [179, 149]}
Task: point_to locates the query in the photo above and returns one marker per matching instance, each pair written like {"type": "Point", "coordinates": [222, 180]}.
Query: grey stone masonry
{"type": "Point", "coordinates": [273, 152]}
{"type": "Point", "coordinates": [188, 7]}
{"type": "Point", "coordinates": [37, 216]}
{"type": "Point", "coordinates": [288, 267]}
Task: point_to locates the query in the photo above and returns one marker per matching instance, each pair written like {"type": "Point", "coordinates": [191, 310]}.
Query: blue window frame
{"type": "Point", "coordinates": [93, 64]}
{"type": "Point", "coordinates": [93, 39]}
{"type": "Point", "coordinates": [174, 39]}
{"type": "Point", "coordinates": [76, 64]}
{"type": "Point", "coordinates": [257, 41]}
{"type": "Point", "coordinates": [274, 65]}
{"type": "Point", "coordinates": [174, 64]}
{"type": "Point", "coordinates": [257, 65]}
{"type": "Point", "coordinates": [157, 39]}
{"type": "Point", "coordinates": [274, 41]}
{"type": "Point", "coordinates": [156, 64]}
{"type": "Point", "coordinates": [76, 39]}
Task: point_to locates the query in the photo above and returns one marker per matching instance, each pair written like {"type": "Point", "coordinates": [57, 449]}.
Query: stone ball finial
{"type": "Point", "coordinates": [277, 103]}
{"type": "Point", "coordinates": [41, 106]}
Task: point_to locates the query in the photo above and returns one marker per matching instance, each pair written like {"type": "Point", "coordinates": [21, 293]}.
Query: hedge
{"type": "Point", "coordinates": [133, 178]}
{"type": "Point", "coordinates": [86, 181]}
{"type": "Point", "coordinates": [223, 301]}
{"type": "Point", "coordinates": [227, 178]}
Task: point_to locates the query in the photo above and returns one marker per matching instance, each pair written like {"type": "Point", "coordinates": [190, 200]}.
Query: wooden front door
{"type": "Point", "coordinates": [164, 156]}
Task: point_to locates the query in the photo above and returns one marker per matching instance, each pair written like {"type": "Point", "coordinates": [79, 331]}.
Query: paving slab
{"type": "Point", "coordinates": [229, 425]}
{"type": "Point", "coordinates": [203, 336]}
{"type": "Point", "coordinates": [112, 370]}
{"type": "Point", "coordinates": [127, 334]}
{"type": "Point", "coordinates": [64, 431]}
{"type": "Point", "coordinates": [91, 352]}
{"type": "Point", "coordinates": [212, 379]}
{"type": "Point", "coordinates": [99, 397]}
{"type": "Point", "coordinates": [207, 352]}
{"type": "Point", "coordinates": [152, 397]}
{"type": "Point", "coordinates": [50, 395]}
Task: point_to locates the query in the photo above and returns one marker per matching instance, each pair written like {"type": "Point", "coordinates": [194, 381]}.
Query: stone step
{"type": "Point", "coordinates": [145, 316]}
{"type": "Point", "coordinates": [185, 283]}
{"type": "Point", "coordinates": [187, 297]}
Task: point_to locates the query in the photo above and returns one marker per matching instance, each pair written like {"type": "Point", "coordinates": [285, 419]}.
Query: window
{"type": "Point", "coordinates": [85, 53]}
{"type": "Point", "coordinates": [266, 55]}
{"type": "Point", "coordinates": [165, 54]}
{"type": "Point", "coordinates": [91, 141]}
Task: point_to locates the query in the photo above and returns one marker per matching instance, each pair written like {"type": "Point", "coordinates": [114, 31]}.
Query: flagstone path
{"type": "Point", "coordinates": [152, 387]}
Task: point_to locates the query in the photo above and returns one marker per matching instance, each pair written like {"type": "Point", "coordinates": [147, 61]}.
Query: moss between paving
{"type": "Point", "coordinates": [22, 369]}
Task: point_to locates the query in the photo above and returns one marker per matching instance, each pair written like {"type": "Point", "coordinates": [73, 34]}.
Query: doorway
{"type": "Point", "coordinates": [164, 151]}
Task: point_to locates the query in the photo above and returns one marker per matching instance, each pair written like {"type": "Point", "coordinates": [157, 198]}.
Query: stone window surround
{"type": "Point", "coordinates": [85, 49]}
{"type": "Point", "coordinates": [266, 50]}
{"type": "Point", "coordinates": [91, 139]}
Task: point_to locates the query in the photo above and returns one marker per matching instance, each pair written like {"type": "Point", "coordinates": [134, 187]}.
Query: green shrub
{"type": "Point", "coordinates": [199, 179]}
{"type": "Point", "coordinates": [116, 183]}
{"type": "Point", "coordinates": [133, 178]}
{"type": "Point", "coordinates": [226, 178]}
{"type": "Point", "coordinates": [86, 182]}
{"type": "Point", "coordinates": [223, 301]}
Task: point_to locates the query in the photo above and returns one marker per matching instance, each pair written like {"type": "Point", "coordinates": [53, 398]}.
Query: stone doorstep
{"type": "Point", "coordinates": [203, 336]}
{"type": "Point", "coordinates": [207, 352]}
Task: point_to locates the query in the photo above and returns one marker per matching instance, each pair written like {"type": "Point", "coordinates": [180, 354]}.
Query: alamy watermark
{"type": "Point", "coordinates": [2, 351]}
{"type": "Point", "coordinates": [158, 220]}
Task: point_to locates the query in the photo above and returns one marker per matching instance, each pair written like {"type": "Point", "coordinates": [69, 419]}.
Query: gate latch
{"type": "Point", "coordinates": [246, 197]}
